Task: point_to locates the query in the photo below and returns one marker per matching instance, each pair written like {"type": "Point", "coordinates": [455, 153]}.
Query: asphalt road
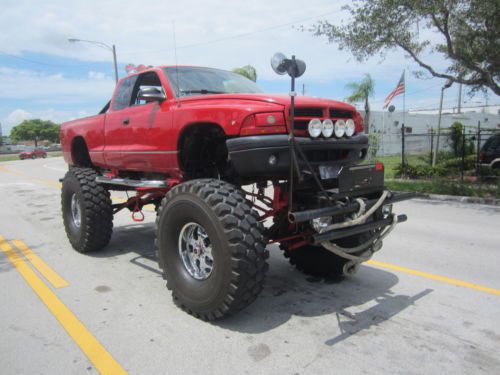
{"type": "Point", "coordinates": [429, 303]}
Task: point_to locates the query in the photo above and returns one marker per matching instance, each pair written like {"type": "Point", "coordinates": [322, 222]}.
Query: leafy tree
{"type": "Point", "coordinates": [35, 130]}
{"type": "Point", "coordinates": [458, 143]}
{"type": "Point", "coordinates": [247, 71]}
{"type": "Point", "coordinates": [468, 36]}
{"type": "Point", "coordinates": [360, 92]}
{"type": "Point", "coordinates": [456, 138]}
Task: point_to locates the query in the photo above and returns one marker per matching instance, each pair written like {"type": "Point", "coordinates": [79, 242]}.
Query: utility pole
{"type": "Point", "coordinates": [478, 148]}
{"type": "Point", "coordinates": [432, 145]}
{"type": "Point", "coordinates": [111, 48]}
{"type": "Point", "coordinates": [303, 89]}
{"type": "Point", "coordinates": [446, 85]}
{"type": "Point", "coordinates": [460, 99]}
{"type": "Point", "coordinates": [114, 61]}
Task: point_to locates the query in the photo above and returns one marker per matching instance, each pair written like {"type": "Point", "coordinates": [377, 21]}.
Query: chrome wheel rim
{"type": "Point", "coordinates": [195, 250]}
{"type": "Point", "coordinates": [76, 214]}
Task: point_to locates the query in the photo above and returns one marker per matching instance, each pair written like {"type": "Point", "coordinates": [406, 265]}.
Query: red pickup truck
{"type": "Point", "coordinates": [187, 139]}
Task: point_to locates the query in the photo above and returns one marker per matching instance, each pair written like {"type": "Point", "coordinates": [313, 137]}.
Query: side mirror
{"type": "Point", "coordinates": [151, 94]}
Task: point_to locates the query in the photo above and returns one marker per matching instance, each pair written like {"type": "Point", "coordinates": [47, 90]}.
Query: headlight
{"type": "Point", "coordinates": [350, 127]}
{"type": "Point", "coordinates": [339, 128]}
{"type": "Point", "coordinates": [327, 128]}
{"type": "Point", "coordinates": [315, 128]}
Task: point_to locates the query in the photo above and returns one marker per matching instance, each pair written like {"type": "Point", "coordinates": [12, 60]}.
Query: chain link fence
{"type": "Point", "coordinates": [450, 156]}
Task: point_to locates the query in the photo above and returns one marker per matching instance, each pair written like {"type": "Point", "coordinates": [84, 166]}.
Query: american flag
{"type": "Point", "coordinates": [400, 89]}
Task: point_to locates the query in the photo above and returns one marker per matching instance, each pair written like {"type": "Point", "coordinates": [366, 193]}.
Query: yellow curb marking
{"type": "Point", "coordinates": [431, 276]}
{"type": "Point", "coordinates": [93, 349]}
{"type": "Point", "coordinates": [45, 270]}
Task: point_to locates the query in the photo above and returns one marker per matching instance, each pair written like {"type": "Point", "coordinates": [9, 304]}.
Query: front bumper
{"type": "Point", "coordinates": [250, 155]}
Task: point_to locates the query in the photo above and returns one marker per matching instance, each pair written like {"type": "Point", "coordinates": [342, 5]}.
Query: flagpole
{"type": "Point", "coordinates": [404, 111]}
{"type": "Point", "coordinates": [404, 96]}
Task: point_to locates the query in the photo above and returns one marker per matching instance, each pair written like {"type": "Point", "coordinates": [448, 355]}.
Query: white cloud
{"type": "Point", "coordinates": [96, 75]}
{"type": "Point", "coordinates": [144, 33]}
{"type": "Point", "coordinates": [53, 88]}
{"type": "Point", "coordinates": [14, 118]}
{"type": "Point", "coordinates": [47, 96]}
{"type": "Point", "coordinates": [19, 115]}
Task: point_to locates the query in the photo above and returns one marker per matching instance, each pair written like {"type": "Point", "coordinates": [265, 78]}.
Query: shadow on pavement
{"type": "Point", "coordinates": [288, 292]}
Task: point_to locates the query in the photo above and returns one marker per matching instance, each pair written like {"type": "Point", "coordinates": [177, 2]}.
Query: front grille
{"type": "Point", "coordinates": [301, 125]}
{"type": "Point", "coordinates": [308, 112]}
{"type": "Point", "coordinates": [305, 114]}
{"type": "Point", "coordinates": [340, 113]}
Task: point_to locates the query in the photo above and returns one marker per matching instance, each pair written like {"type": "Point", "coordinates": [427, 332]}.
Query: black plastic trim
{"type": "Point", "coordinates": [250, 155]}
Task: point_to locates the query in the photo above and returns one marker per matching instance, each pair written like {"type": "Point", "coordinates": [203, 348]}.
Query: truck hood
{"type": "Point", "coordinates": [281, 99]}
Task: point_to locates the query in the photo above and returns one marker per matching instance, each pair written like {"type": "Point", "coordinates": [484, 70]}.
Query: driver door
{"type": "Point", "coordinates": [145, 126]}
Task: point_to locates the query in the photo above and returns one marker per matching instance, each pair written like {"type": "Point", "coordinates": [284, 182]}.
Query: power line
{"type": "Point", "coordinates": [472, 106]}
{"type": "Point", "coordinates": [46, 64]}
{"type": "Point", "coordinates": [236, 36]}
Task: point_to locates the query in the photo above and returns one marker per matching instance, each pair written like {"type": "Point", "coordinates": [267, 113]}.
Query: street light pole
{"type": "Point", "coordinates": [116, 66]}
{"type": "Point", "coordinates": [435, 157]}
{"type": "Point", "coordinates": [103, 45]}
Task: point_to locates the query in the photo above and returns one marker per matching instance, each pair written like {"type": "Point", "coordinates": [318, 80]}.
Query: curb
{"type": "Point", "coordinates": [461, 199]}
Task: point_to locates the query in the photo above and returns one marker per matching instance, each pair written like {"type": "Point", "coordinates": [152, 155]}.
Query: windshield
{"type": "Point", "coordinates": [187, 81]}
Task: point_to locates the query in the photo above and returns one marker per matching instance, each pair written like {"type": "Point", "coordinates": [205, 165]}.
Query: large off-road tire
{"type": "Point", "coordinates": [211, 248]}
{"type": "Point", "coordinates": [87, 210]}
{"type": "Point", "coordinates": [315, 261]}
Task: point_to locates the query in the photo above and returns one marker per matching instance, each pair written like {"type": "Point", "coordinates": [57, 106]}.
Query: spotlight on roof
{"type": "Point", "coordinates": [281, 65]}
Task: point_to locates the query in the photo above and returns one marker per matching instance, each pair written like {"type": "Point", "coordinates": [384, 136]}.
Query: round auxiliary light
{"type": "Point", "coordinates": [327, 128]}
{"type": "Point", "coordinates": [350, 127]}
{"type": "Point", "coordinates": [339, 128]}
{"type": "Point", "coordinates": [315, 127]}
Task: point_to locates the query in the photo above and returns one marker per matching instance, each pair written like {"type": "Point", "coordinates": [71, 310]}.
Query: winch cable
{"type": "Point", "coordinates": [361, 216]}
{"type": "Point", "coordinates": [366, 255]}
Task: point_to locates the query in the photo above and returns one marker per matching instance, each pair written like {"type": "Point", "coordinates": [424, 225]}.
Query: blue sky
{"type": "Point", "coordinates": [42, 75]}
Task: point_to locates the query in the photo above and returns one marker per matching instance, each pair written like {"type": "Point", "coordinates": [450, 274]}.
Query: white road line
{"type": "Point", "coordinates": [16, 183]}
{"type": "Point", "coordinates": [54, 168]}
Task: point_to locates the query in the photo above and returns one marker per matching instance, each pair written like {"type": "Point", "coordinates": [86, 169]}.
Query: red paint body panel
{"type": "Point", "coordinates": [91, 129]}
{"type": "Point", "coordinates": [149, 140]}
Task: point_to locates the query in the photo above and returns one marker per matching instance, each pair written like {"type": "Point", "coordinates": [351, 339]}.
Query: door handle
{"type": "Point", "coordinates": [125, 121]}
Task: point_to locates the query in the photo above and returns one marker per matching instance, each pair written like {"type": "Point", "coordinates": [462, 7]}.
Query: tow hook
{"type": "Point", "coordinates": [137, 214]}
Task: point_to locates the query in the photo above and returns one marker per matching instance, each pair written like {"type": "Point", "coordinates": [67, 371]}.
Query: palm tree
{"type": "Point", "coordinates": [360, 92]}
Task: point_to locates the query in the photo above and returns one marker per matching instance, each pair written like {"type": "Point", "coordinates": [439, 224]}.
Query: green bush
{"type": "Point", "coordinates": [456, 163]}
{"type": "Point", "coordinates": [447, 167]}
{"type": "Point", "coordinates": [420, 171]}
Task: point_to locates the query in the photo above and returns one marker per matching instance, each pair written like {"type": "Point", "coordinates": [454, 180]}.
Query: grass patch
{"type": "Point", "coordinates": [391, 163]}
{"type": "Point", "coordinates": [445, 187]}
{"type": "Point", "coordinates": [9, 157]}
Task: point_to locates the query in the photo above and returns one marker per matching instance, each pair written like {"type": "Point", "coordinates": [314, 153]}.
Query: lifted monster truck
{"type": "Point", "coordinates": [187, 139]}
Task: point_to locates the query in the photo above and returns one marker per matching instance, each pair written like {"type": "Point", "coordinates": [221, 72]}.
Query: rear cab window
{"type": "Point", "coordinates": [123, 94]}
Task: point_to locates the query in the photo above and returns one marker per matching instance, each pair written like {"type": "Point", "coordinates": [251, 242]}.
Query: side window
{"type": "Point", "coordinates": [149, 79]}
{"type": "Point", "coordinates": [124, 93]}
{"type": "Point", "coordinates": [494, 146]}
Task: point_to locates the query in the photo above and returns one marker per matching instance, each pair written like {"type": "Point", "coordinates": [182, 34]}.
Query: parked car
{"type": "Point", "coordinates": [33, 154]}
{"type": "Point", "coordinates": [489, 156]}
